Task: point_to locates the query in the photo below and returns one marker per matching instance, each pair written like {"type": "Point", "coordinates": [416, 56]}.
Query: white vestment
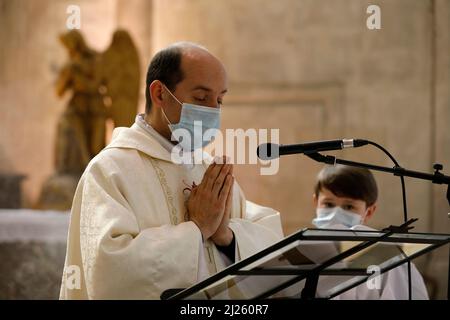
{"type": "Point", "coordinates": [128, 234]}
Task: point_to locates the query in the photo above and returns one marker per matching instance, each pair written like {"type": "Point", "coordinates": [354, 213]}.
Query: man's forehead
{"type": "Point", "coordinates": [205, 81]}
{"type": "Point", "coordinates": [206, 65]}
{"type": "Point", "coordinates": [203, 71]}
{"type": "Point", "coordinates": [205, 88]}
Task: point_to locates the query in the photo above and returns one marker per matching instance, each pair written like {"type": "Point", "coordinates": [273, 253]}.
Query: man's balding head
{"type": "Point", "coordinates": [174, 63]}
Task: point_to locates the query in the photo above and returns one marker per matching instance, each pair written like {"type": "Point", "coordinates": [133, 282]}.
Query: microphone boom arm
{"type": "Point", "coordinates": [436, 178]}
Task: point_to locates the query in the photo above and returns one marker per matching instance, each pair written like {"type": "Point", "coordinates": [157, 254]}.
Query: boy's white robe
{"type": "Point", "coordinates": [393, 284]}
{"type": "Point", "coordinates": [128, 235]}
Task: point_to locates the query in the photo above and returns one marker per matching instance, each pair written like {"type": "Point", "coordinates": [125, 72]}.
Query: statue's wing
{"type": "Point", "coordinates": [120, 71]}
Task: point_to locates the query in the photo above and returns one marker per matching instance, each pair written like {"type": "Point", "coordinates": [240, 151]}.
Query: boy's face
{"type": "Point", "coordinates": [328, 199]}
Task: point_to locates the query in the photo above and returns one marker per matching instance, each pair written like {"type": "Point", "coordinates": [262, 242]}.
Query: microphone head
{"type": "Point", "coordinates": [268, 151]}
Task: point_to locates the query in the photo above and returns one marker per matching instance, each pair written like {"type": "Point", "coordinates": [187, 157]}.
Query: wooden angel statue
{"type": "Point", "coordinates": [102, 85]}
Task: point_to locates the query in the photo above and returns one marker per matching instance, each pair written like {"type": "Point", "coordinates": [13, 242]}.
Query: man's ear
{"type": "Point", "coordinates": [156, 93]}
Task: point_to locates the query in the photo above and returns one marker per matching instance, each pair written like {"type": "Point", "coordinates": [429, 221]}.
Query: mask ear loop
{"type": "Point", "coordinates": [170, 92]}
{"type": "Point", "coordinates": [167, 119]}
{"type": "Point", "coordinates": [364, 217]}
{"type": "Point", "coordinates": [173, 96]}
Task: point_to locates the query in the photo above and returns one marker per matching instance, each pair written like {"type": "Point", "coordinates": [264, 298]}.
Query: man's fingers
{"type": "Point", "coordinates": [221, 162]}
{"type": "Point", "coordinates": [229, 202]}
{"type": "Point", "coordinates": [219, 182]}
{"type": "Point", "coordinates": [226, 188]}
{"type": "Point", "coordinates": [212, 176]}
{"type": "Point", "coordinates": [230, 172]}
{"type": "Point", "coordinates": [213, 172]}
{"type": "Point", "coordinates": [207, 172]}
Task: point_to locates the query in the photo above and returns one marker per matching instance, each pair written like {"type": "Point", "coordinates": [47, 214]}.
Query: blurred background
{"type": "Point", "coordinates": [310, 68]}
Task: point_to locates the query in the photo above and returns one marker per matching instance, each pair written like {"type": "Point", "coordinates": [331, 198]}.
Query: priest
{"type": "Point", "coordinates": [142, 221]}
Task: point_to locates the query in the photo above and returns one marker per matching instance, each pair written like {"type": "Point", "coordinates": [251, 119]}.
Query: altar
{"type": "Point", "coordinates": [32, 252]}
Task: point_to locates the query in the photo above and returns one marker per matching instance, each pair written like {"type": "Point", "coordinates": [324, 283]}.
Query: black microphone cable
{"type": "Point", "coordinates": [405, 208]}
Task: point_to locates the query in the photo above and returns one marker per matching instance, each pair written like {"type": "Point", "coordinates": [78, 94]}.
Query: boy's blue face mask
{"type": "Point", "coordinates": [327, 217]}
{"type": "Point", "coordinates": [195, 119]}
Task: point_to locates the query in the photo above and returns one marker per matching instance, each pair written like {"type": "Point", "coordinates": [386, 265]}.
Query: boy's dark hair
{"type": "Point", "coordinates": [349, 182]}
{"type": "Point", "coordinates": [166, 67]}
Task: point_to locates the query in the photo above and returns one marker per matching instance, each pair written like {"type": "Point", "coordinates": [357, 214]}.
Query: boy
{"type": "Point", "coordinates": [345, 197]}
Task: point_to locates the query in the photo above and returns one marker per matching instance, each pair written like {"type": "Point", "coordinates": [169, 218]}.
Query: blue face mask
{"type": "Point", "coordinates": [196, 121]}
{"type": "Point", "coordinates": [327, 217]}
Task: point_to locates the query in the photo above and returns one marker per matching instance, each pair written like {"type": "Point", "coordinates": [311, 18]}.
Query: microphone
{"type": "Point", "coordinates": [270, 151]}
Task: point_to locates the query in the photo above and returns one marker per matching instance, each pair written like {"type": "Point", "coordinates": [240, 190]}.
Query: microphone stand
{"type": "Point", "coordinates": [437, 178]}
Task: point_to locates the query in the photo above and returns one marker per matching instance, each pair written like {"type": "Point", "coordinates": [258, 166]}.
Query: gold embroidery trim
{"type": "Point", "coordinates": [166, 190]}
